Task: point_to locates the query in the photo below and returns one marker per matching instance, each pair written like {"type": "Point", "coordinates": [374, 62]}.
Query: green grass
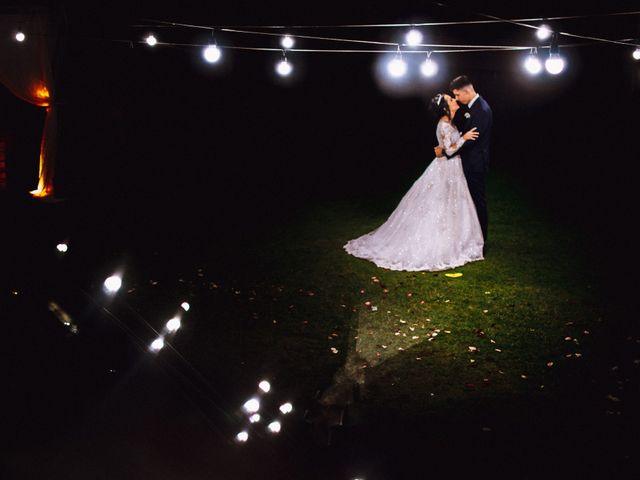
{"type": "Point", "coordinates": [278, 303]}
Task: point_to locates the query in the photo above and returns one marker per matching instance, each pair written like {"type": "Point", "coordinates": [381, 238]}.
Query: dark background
{"type": "Point", "coordinates": [202, 143]}
{"type": "Point", "coordinates": [160, 151]}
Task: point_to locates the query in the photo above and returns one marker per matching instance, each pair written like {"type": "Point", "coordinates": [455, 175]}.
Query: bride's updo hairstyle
{"type": "Point", "coordinates": [439, 107]}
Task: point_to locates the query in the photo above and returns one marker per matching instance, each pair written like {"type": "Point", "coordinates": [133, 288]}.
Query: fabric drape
{"type": "Point", "coordinates": [26, 70]}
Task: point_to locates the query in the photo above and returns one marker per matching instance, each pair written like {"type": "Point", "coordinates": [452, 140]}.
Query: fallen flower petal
{"type": "Point", "coordinates": [453, 275]}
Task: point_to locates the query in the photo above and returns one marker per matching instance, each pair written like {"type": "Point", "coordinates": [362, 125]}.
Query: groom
{"type": "Point", "coordinates": [474, 112]}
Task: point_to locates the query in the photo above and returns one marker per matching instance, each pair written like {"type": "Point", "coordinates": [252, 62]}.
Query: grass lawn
{"type": "Point", "coordinates": [292, 305]}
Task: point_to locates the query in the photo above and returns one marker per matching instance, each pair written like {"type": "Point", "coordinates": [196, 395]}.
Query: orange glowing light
{"type": "Point", "coordinates": [42, 94]}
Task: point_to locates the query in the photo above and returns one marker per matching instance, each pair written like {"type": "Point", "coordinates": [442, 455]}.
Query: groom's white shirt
{"type": "Point", "coordinates": [474, 100]}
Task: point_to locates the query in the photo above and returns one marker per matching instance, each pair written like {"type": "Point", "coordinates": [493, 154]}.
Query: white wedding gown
{"type": "Point", "coordinates": [435, 225]}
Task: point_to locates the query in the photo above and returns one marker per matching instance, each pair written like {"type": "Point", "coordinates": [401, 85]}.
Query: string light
{"type": "Point", "coordinates": [636, 54]}
{"type": "Point", "coordinates": [242, 436]}
{"type": "Point", "coordinates": [554, 64]}
{"type": "Point", "coordinates": [287, 42]}
{"type": "Point", "coordinates": [62, 247]}
{"type": "Point", "coordinates": [274, 427]}
{"type": "Point", "coordinates": [284, 68]}
{"type": "Point", "coordinates": [173, 325]}
{"type": "Point", "coordinates": [211, 53]}
{"type": "Point", "coordinates": [413, 37]}
{"type": "Point", "coordinates": [397, 67]}
{"type": "Point", "coordinates": [532, 64]}
{"type": "Point", "coordinates": [157, 344]}
{"type": "Point", "coordinates": [185, 306]}
{"type": "Point", "coordinates": [151, 40]}
{"type": "Point", "coordinates": [252, 406]}
{"type": "Point", "coordinates": [113, 283]}
{"type": "Point", "coordinates": [429, 68]}
{"type": "Point", "coordinates": [255, 418]}
{"type": "Point", "coordinates": [543, 32]}
{"type": "Point", "coordinates": [20, 37]}
{"type": "Point", "coordinates": [286, 408]}
{"type": "Point", "coordinates": [265, 386]}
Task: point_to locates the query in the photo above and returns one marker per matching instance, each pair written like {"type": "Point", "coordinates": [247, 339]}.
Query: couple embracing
{"type": "Point", "coordinates": [441, 222]}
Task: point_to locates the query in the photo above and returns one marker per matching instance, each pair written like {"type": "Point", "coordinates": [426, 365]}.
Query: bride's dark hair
{"type": "Point", "coordinates": [439, 106]}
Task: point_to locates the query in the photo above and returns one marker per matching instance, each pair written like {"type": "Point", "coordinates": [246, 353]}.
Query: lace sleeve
{"type": "Point", "coordinates": [451, 139]}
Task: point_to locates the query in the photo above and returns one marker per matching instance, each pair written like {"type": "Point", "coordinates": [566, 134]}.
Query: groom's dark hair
{"type": "Point", "coordinates": [459, 82]}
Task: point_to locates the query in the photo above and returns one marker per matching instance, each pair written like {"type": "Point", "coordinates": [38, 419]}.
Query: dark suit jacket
{"type": "Point", "coordinates": [475, 153]}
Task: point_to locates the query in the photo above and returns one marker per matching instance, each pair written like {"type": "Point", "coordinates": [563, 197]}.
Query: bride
{"type": "Point", "coordinates": [435, 225]}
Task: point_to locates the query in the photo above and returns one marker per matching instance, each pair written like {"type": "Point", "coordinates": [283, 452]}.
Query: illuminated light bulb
{"type": "Point", "coordinates": [20, 37]}
{"type": "Point", "coordinates": [429, 68]}
{"type": "Point", "coordinates": [173, 325]}
{"type": "Point", "coordinates": [62, 247]}
{"type": "Point", "coordinates": [252, 406]}
{"type": "Point", "coordinates": [636, 54]}
{"type": "Point", "coordinates": [554, 64]}
{"type": "Point", "coordinates": [397, 67]}
{"type": "Point", "coordinates": [255, 418]}
{"type": "Point", "coordinates": [533, 65]}
{"type": "Point", "coordinates": [151, 40]}
{"type": "Point", "coordinates": [287, 41]}
{"type": "Point", "coordinates": [242, 437]}
{"type": "Point", "coordinates": [543, 32]}
{"type": "Point", "coordinates": [185, 306]}
{"type": "Point", "coordinates": [284, 68]}
{"type": "Point", "coordinates": [413, 37]}
{"type": "Point", "coordinates": [113, 283]}
{"type": "Point", "coordinates": [286, 408]}
{"type": "Point", "coordinates": [157, 344]}
{"type": "Point", "coordinates": [274, 427]}
{"type": "Point", "coordinates": [264, 386]}
{"type": "Point", "coordinates": [212, 54]}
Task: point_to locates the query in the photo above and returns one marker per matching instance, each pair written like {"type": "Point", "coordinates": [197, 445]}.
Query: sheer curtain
{"type": "Point", "coordinates": [26, 69]}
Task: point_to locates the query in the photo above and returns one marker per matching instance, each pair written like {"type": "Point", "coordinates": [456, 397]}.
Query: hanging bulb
{"type": "Point", "coordinates": [173, 325]}
{"type": "Point", "coordinates": [287, 41]}
{"type": "Point", "coordinates": [113, 283]}
{"type": "Point", "coordinates": [554, 64]}
{"type": "Point", "coordinates": [284, 68]}
{"type": "Point", "coordinates": [532, 64]}
{"type": "Point", "coordinates": [429, 68]}
{"type": "Point", "coordinates": [543, 32]}
{"type": "Point", "coordinates": [265, 386]}
{"type": "Point", "coordinates": [151, 40]}
{"type": "Point", "coordinates": [157, 344]}
{"type": "Point", "coordinates": [397, 67]}
{"type": "Point", "coordinates": [413, 37]}
{"type": "Point", "coordinates": [636, 54]}
{"type": "Point", "coordinates": [212, 53]}
{"type": "Point", "coordinates": [274, 427]}
{"type": "Point", "coordinates": [20, 37]}
{"type": "Point", "coordinates": [252, 405]}
{"type": "Point", "coordinates": [255, 418]}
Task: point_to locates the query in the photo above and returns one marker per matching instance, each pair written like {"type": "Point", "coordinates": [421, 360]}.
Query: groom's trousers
{"type": "Point", "coordinates": [475, 181]}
